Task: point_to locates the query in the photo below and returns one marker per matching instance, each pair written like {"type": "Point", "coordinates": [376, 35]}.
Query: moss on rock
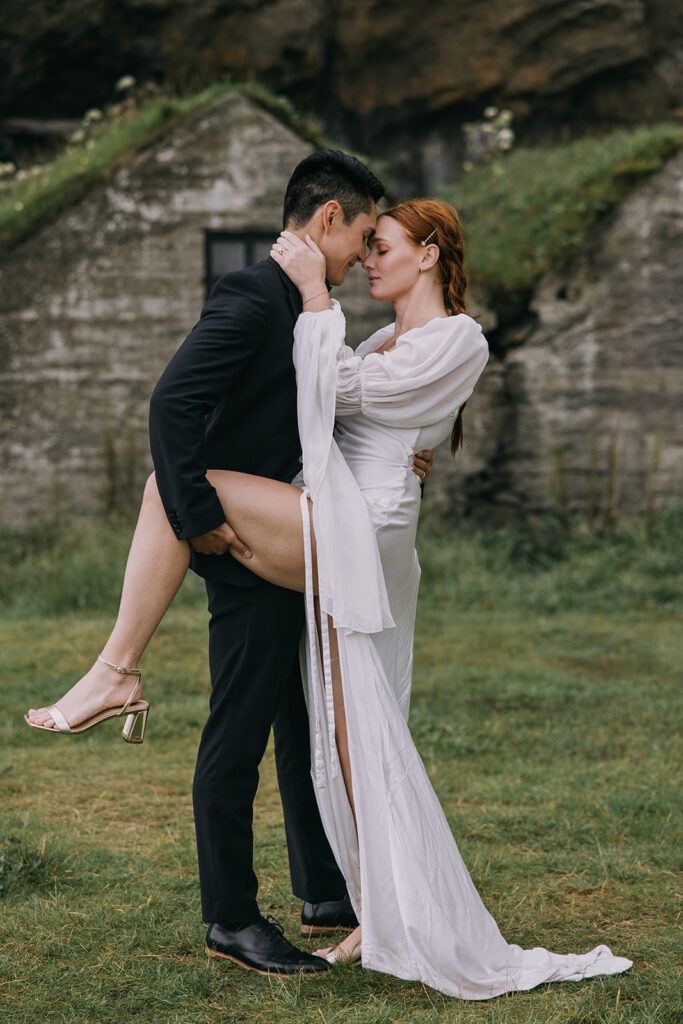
{"type": "Point", "coordinates": [532, 208]}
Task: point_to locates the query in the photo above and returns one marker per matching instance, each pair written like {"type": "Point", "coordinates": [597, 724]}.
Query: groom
{"type": "Point", "coordinates": [227, 400]}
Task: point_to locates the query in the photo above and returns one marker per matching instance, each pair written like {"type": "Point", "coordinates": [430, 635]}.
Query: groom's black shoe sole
{"type": "Point", "coordinates": [261, 947]}
{"type": "Point", "coordinates": [215, 954]}
{"type": "Point", "coordinates": [327, 917]}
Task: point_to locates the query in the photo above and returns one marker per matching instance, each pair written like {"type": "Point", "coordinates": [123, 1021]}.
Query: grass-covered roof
{"type": "Point", "coordinates": [522, 211]}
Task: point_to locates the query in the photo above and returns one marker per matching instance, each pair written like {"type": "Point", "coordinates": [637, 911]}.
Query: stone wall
{"type": "Point", "coordinates": [92, 308]}
{"type": "Point", "coordinates": [598, 384]}
{"type": "Point", "coordinates": [586, 415]}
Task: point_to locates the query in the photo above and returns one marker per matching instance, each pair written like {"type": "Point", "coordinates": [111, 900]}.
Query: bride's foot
{"type": "Point", "coordinates": [99, 689]}
{"type": "Point", "coordinates": [347, 951]}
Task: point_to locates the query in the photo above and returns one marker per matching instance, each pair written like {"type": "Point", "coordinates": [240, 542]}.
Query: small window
{"type": "Point", "coordinates": [226, 251]}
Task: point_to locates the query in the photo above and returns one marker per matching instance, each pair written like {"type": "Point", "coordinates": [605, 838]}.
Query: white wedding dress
{"type": "Point", "coordinates": [422, 917]}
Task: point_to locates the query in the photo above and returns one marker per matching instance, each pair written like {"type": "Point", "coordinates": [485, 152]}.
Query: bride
{"type": "Point", "coordinates": [343, 534]}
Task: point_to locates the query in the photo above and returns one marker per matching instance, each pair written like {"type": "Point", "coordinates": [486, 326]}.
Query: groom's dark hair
{"type": "Point", "coordinates": [329, 174]}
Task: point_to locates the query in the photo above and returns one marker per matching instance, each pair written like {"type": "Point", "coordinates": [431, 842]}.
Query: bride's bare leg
{"type": "Point", "coordinates": [349, 947]}
{"type": "Point", "coordinates": [264, 513]}
{"type": "Point", "coordinates": [266, 516]}
{"type": "Point", "coordinates": [156, 566]}
{"type": "Point", "coordinates": [340, 733]}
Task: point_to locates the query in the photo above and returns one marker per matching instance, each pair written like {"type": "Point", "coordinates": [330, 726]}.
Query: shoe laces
{"type": "Point", "coordinates": [273, 923]}
{"type": "Point", "coordinates": [271, 927]}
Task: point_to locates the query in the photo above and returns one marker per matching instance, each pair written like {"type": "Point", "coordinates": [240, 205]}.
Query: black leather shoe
{"type": "Point", "coordinates": [261, 947]}
{"type": "Point", "coordinates": [327, 917]}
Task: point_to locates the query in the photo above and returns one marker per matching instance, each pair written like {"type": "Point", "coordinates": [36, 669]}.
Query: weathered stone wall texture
{"type": "Point", "coordinates": [93, 307]}
{"type": "Point", "coordinates": [587, 414]}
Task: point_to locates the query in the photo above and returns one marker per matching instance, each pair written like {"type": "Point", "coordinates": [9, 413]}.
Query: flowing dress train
{"type": "Point", "coordinates": [422, 917]}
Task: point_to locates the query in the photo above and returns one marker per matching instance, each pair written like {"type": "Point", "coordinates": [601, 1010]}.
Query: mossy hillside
{"type": "Point", "coordinates": [530, 209]}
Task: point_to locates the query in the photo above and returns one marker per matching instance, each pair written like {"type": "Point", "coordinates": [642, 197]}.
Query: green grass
{"type": "Point", "coordinates": [49, 572]}
{"type": "Point", "coordinates": [530, 209]}
{"type": "Point", "coordinates": [27, 205]}
{"type": "Point", "coordinates": [545, 707]}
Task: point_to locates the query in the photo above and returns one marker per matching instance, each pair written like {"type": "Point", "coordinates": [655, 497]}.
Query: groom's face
{"type": "Point", "coordinates": [345, 244]}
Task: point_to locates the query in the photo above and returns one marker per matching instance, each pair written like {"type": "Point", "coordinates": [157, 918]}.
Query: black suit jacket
{"type": "Point", "coordinates": [227, 400]}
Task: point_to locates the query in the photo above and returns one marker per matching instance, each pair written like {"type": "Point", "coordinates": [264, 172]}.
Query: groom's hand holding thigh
{"type": "Point", "coordinates": [219, 541]}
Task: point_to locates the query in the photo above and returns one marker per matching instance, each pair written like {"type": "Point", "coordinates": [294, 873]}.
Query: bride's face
{"type": "Point", "coordinates": [393, 262]}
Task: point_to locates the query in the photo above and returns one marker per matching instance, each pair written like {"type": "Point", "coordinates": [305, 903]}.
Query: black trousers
{"type": "Point", "coordinates": [255, 684]}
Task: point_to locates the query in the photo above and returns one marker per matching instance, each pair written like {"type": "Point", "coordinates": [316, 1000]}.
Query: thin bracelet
{"type": "Point", "coordinates": [317, 295]}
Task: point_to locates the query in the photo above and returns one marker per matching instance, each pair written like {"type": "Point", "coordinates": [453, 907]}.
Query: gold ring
{"type": "Point", "coordinates": [282, 250]}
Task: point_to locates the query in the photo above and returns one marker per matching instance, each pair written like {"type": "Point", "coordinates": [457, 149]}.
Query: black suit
{"type": "Point", "coordinates": [227, 400]}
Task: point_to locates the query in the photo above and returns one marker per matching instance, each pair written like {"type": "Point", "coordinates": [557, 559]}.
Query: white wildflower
{"type": "Point", "coordinates": [92, 115]}
{"type": "Point", "coordinates": [490, 112]}
{"type": "Point", "coordinates": [7, 169]}
{"type": "Point", "coordinates": [18, 207]}
{"type": "Point", "coordinates": [77, 136]}
{"type": "Point", "coordinates": [21, 175]}
{"type": "Point", "coordinates": [125, 83]}
{"type": "Point", "coordinates": [505, 118]}
{"type": "Point", "coordinates": [506, 137]}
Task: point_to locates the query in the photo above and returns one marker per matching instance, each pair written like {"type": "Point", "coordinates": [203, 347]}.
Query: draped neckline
{"type": "Point", "coordinates": [376, 340]}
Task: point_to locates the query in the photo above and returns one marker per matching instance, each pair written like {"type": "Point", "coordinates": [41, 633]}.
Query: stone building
{"type": "Point", "coordinates": [93, 307]}
{"type": "Point", "coordinates": [579, 409]}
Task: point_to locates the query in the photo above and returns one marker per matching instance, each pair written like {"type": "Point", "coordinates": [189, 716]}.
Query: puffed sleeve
{"type": "Point", "coordinates": [349, 388]}
{"type": "Point", "coordinates": [431, 373]}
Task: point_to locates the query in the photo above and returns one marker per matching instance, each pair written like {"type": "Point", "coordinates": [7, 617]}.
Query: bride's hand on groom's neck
{"type": "Point", "coordinates": [304, 264]}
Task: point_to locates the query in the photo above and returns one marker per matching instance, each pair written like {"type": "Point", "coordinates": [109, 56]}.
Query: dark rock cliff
{"type": "Point", "coordinates": [396, 79]}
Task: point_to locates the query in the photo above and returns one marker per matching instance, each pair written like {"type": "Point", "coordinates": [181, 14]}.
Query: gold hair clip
{"type": "Point", "coordinates": [425, 240]}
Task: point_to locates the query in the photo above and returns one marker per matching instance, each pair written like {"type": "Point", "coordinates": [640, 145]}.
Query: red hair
{"type": "Point", "coordinates": [437, 223]}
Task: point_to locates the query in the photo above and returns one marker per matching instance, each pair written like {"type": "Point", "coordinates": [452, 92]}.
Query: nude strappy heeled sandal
{"type": "Point", "coordinates": [336, 955]}
{"type": "Point", "coordinates": [136, 712]}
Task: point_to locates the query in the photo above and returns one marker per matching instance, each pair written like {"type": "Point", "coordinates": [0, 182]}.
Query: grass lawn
{"type": "Point", "coordinates": [545, 706]}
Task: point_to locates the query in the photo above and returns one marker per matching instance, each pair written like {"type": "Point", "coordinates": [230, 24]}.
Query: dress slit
{"type": "Point", "coordinates": [323, 698]}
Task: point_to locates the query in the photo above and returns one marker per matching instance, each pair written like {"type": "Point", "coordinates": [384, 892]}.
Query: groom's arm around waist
{"type": "Point", "coordinates": [198, 377]}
